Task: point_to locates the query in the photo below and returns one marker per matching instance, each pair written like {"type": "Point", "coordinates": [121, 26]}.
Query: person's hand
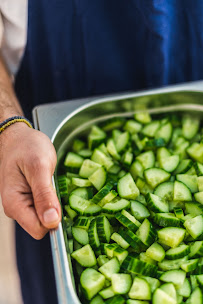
{"type": "Point", "coordinates": [27, 163]}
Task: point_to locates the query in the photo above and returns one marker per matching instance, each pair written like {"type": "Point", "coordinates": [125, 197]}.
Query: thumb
{"type": "Point", "coordinates": [45, 199]}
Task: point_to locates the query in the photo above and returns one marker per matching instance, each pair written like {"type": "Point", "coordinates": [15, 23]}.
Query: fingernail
{"type": "Point", "coordinates": [50, 216]}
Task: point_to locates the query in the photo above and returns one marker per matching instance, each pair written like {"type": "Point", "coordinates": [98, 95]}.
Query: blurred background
{"type": "Point", "coordinates": [9, 280]}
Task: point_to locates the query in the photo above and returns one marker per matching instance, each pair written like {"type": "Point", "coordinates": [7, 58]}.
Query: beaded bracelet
{"type": "Point", "coordinates": [6, 123]}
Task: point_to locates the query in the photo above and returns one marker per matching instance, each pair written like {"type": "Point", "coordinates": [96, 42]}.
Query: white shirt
{"type": "Point", "coordinates": [13, 32]}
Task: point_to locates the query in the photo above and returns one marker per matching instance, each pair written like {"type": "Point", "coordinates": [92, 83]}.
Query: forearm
{"type": "Point", "coordinates": [9, 105]}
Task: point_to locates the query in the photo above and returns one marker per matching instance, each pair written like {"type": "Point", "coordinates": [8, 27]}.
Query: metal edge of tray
{"type": "Point", "coordinates": [61, 267]}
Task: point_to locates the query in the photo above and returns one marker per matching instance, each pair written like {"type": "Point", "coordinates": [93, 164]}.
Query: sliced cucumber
{"type": "Point", "coordinates": [140, 289]}
{"type": "Point", "coordinates": [92, 282]}
{"type": "Point", "coordinates": [156, 204]}
{"type": "Point", "coordinates": [127, 187]}
{"type": "Point", "coordinates": [85, 256]}
{"type": "Point", "coordinates": [181, 192]}
{"type": "Point", "coordinates": [178, 252]}
{"type": "Point", "coordinates": [139, 211]}
{"type": "Point", "coordinates": [171, 236]}
{"type": "Point", "coordinates": [156, 176]}
{"type": "Point", "coordinates": [121, 283]}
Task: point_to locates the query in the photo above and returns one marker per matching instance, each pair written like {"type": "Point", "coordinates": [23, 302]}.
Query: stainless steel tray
{"type": "Point", "coordinates": [64, 120]}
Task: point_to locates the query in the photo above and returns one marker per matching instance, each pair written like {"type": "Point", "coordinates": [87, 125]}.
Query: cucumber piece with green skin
{"type": "Point", "coordinates": [143, 117]}
{"type": "Point", "coordinates": [167, 220]}
{"type": "Point", "coordinates": [178, 252]}
{"type": "Point", "coordinates": [136, 169]}
{"type": "Point", "coordinates": [154, 283]}
{"type": "Point", "coordinates": [147, 159]}
{"type": "Point", "coordinates": [129, 301]}
{"type": "Point", "coordinates": [161, 297]}
{"type": "Point", "coordinates": [156, 176]}
{"type": "Point", "coordinates": [166, 265]}
{"type": "Point", "coordinates": [156, 204]}
{"type": "Point", "coordinates": [146, 233]}
{"type": "Point", "coordinates": [93, 235]}
{"type": "Point", "coordinates": [103, 229]}
{"type": "Point", "coordinates": [118, 299]}
{"type": "Point", "coordinates": [185, 289]}
{"type": "Point", "coordinates": [176, 277]}
{"type": "Point", "coordinates": [85, 256]}
{"type": "Point", "coordinates": [102, 193]}
{"type": "Point", "coordinates": [169, 289]}
{"type": "Point", "coordinates": [154, 143]}
{"type": "Point", "coordinates": [165, 132]}
{"type": "Point", "coordinates": [150, 129]}
{"type": "Point", "coordinates": [70, 212]}
{"type": "Point", "coordinates": [120, 254]}
{"type": "Point", "coordinates": [81, 192]}
{"type": "Point", "coordinates": [189, 265]}
{"type": "Point", "coordinates": [102, 259]}
{"type": "Point", "coordinates": [199, 197]}
{"type": "Point", "coordinates": [97, 300]}
{"type": "Point", "coordinates": [126, 222]}
{"type": "Point", "coordinates": [122, 141]}
{"type": "Point", "coordinates": [111, 148]}
{"type": "Point", "coordinates": [109, 268]}
{"type": "Point", "coordinates": [200, 280]}
{"type": "Point", "coordinates": [132, 126]}
{"type": "Point", "coordinates": [116, 205]}
{"type": "Point", "coordinates": [194, 208]}
{"type": "Point", "coordinates": [80, 182]}
{"type": "Point", "coordinates": [78, 145]}
{"type": "Point", "coordinates": [80, 235]}
{"type": "Point", "coordinates": [91, 210]}
{"type": "Point", "coordinates": [88, 167]}
{"type": "Point", "coordinates": [189, 181]}
{"type": "Point", "coordinates": [95, 137]}
{"type": "Point", "coordinates": [178, 212]}
{"type": "Point", "coordinates": [63, 184]}
{"type": "Point", "coordinates": [139, 211]}
{"type": "Point", "coordinates": [165, 191]}
{"type": "Point", "coordinates": [184, 166]}
{"type": "Point", "coordinates": [131, 218]}
{"type": "Point", "coordinates": [190, 126]}
{"type": "Point", "coordinates": [78, 204]}
{"type": "Point", "coordinates": [127, 188]}
{"type": "Point", "coordinates": [102, 159]}
{"type": "Point", "coordinates": [171, 236]}
{"type": "Point", "coordinates": [143, 187]}
{"type": "Point", "coordinates": [98, 178]}
{"type": "Point", "coordinates": [200, 183]}
{"type": "Point", "coordinates": [107, 293]}
{"type": "Point", "coordinates": [195, 151]}
{"type": "Point", "coordinates": [181, 192]}
{"type": "Point", "coordinates": [194, 226]}
{"type": "Point", "coordinates": [120, 240]}
{"type": "Point", "coordinates": [196, 249]}
{"type": "Point", "coordinates": [73, 160]}
{"type": "Point", "coordinates": [140, 289]}
{"type": "Point", "coordinates": [121, 283]}
{"type": "Point", "coordinates": [145, 258]}
{"type": "Point", "coordinates": [82, 222]}
{"type": "Point", "coordinates": [142, 268]}
{"type": "Point", "coordinates": [132, 239]}
{"type": "Point", "coordinates": [156, 252]}
{"type": "Point", "coordinates": [170, 163]}
{"type": "Point", "coordinates": [198, 168]}
{"type": "Point", "coordinates": [85, 153]}
{"type": "Point", "coordinates": [108, 198]}
{"type": "Point", "coordinates": [196, 297]}
{"type": "Point", "coordinates": [92, 282]}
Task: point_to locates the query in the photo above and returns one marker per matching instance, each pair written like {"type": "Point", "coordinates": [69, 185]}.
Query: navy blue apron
{"type": "Point", "coordinates": [80, 48]}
